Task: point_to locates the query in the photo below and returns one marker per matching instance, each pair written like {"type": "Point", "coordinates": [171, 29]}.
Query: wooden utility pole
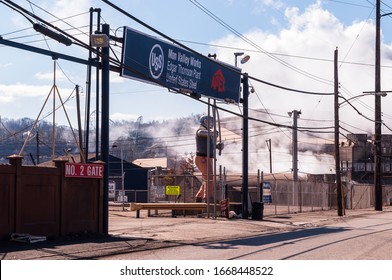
{"type": "Point", "coordinates": [337, 151]}
{"type": "Point", "coordinates": [79, 123]}
{"type": "Point", "coordinates": [295, 115]}
{"type": "Point", "coordinates": [377, 118]}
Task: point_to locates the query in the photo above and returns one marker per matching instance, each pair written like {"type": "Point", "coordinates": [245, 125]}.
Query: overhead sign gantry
{"type": "Point", "coordinates": [155, 61]}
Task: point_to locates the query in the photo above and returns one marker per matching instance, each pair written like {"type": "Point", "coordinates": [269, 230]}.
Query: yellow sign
{"type": "Point", "coordinates": [173, 190]}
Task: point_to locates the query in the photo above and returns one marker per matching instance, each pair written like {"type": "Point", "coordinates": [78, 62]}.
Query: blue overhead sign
{"type": "Point", "coordinates": [152, 60]}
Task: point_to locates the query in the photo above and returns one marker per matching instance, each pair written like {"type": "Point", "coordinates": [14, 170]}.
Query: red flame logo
{"type": "Point", "coordinates": [218, 81]}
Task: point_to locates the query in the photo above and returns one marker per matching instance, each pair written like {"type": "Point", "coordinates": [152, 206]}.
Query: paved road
{"type": "Point", "coordinates": [362, 238]}
{"type": "Point", "coordinates": [310, 235]}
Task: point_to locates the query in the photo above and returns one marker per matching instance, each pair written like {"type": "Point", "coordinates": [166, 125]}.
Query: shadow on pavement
{"type": "Point", "coordinates": [271, 238]}
{"type": "Point", "coordinates": [81, 244]}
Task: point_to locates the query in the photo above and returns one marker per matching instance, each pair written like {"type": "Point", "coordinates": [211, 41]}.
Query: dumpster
{"type": "Point", "coordinates": [257, 210]}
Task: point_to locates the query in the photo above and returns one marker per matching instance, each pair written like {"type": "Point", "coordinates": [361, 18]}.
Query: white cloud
{"type": "Point", "coordinates": [301, 57]}
{"type": "Point", "coordinates": [12, 93]}
{"type": "Point", "coordinates": [67, 8]}
{"type": "Point", "coordinates": [49, 76]}
{"type": "Point", "coordinates": [263, 6]}
{"type": "Point", "coordinates": [307, 48]}
{"type": "Point", "coordinates": [115, 78]}
{"type": "Point", "coordinates": [273, 3]}
{"type": "Point", "coordinates": [6, 65]}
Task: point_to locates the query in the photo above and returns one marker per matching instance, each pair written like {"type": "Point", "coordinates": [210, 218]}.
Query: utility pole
{"type": "Point", "coordinates": [337, 151]}
{"type": "Point", "coordinates": [54, 111]}
{"type": "Point", "coordinates": [245, 148]}
{"type": "Point", "coordinates": [295, 115]}
{"type": "Point", "coordinates": [270, 153]}
{"type": "Point", "coordinates": [377, 122]}
{"type": "Point", "coordinates": [79, 122]}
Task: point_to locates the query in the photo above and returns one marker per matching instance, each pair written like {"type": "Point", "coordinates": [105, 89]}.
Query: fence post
{"type": "Point", "coordinates": [16, 161]}
{"type": "Point", "coordinates": [300, 197]}
{"type": "Point", "coordinates": [275, 196]}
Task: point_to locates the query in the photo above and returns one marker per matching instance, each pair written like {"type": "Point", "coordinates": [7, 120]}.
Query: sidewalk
{"type": "Point", "coordinates": [128, 234]}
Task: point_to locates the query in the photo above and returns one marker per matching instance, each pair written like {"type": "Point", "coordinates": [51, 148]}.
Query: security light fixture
{"type": "Point", "coordinates": [99, 40]}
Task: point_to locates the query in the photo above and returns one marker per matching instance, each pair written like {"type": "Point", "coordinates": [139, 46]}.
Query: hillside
{"type": "Point", "coordinates": [134, 139]}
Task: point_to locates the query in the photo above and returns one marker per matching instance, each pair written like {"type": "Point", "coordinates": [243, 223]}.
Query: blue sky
{"type": "Point", "coordinates": [293, 43]}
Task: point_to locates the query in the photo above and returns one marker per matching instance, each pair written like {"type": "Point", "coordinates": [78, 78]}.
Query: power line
{"type": "Point", "coordinates": [191, 50]}
{"type": "Point", "coordinates": [350, 4]}
{"type": "Point", "coordinates": [57, 18]}
{"type": "Point", "coordinates": [282, 54]}
{"type": "Point", "coordinates": [355, 127]}
{"type": "Point", "coordinates": [85, 46]}
{"type": "Point", "coordinates": [197, 53]}
{"type": "Point", "coordinates": [256, 46]}
{"type": "Point", "coordinates": [38, 34]}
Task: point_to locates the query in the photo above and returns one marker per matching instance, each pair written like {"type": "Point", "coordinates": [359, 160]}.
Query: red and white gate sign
{"type": "Point", "coordinates": [83, 170]}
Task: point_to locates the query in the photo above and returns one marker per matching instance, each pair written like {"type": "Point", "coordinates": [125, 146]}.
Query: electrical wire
{"type": "Point", "coordinates": [285, 126]}
{"type": "Point", "coordinates": [16, 10]}
{"type": "Point", "coordinates": [57, 18]}
{"type": "Point", "coordinates": [355, 127]}
{"type": "Point", "coordinates": [43, 117]}
{"type": "Point", "coordinates": [117, 59]}
{"type": "Point", "coordinates": [247, 40]}
{"type": "Point", "coordinates": [270, 115]}
{"type": "Point", "coordinates": [281, 54]}
{"type": "Point", "coordinates": [197, 53]}
{"type": "Point", "coordinates": [351, 4]}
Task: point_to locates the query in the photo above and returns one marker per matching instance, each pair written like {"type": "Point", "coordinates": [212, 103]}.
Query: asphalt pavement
{"type": "Point", "coordinates": [129, 234]}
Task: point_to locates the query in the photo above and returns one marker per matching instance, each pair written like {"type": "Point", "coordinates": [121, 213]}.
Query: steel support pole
{"type": "Point", "coordinates": [105, 127]}
{"type": "Point", "coordinates": [98, 11]}
{"type": "Point", "coordinates": [245, 211]}
{"type": "Point", "coordinates": [88, 91]}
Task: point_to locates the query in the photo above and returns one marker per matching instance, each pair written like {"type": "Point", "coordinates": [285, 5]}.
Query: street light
{"type": "Point", "coordinates": [244, 136]}
{"type": "Point", "coordinates": [51, 34]}
{"type": "Point", "coordinates": [365, 93]}
{"type": "Point", "coordinates": [243, 60]}
{"type": "Point", "coordinates": [122, 174]}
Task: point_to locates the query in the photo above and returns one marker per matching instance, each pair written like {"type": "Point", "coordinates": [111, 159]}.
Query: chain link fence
{"type": "Point", "coordinates": [280, 194]}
